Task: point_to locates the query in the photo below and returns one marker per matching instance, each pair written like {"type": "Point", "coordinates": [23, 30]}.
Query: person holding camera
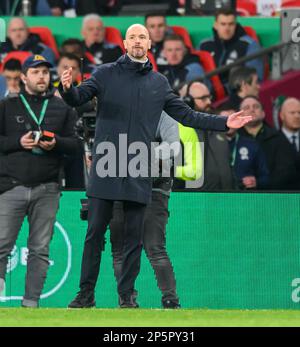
{"type": "Point", "coordinates": [36, 130]}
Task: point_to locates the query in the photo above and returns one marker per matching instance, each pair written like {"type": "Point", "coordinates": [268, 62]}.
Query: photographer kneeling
{"type": "Point", "coordinates": [36, 130]}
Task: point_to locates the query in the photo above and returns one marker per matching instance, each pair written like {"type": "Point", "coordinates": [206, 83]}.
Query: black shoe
{"type": "Point", "coordinates": [128, 301]}
{"type": "Point", "coordinates": [171, 304]}
{"type": "Point", "coordinates": [83, 299]}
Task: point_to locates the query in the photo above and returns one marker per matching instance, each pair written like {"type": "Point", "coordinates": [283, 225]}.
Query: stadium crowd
{"type": "Point", "coordinates": [257, 157]}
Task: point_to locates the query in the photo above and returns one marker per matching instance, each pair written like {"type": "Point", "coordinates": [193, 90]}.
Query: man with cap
{"type": "Point", "coordinates": [36, 130]}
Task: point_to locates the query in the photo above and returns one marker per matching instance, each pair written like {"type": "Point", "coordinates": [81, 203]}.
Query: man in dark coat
{"type": "Point", "coordinates": [278, 153]}
{"type": "Point", "coordinates": [131, 98]}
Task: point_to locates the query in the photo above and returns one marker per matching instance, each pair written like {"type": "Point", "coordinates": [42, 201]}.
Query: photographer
{"type": "Point", "coordinates": [36, 130]}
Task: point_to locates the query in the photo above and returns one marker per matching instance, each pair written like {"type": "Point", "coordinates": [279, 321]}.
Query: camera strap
{"type": "Point", "coordinates": [32, 114]}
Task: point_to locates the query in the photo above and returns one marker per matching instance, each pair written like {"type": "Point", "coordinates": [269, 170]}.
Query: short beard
{"type": "Point", "coordinates": [254, 123]}
{"type": "Point", "coordinates": [138, 56]}
{"type": "Point", "coordinates": [34, 90]}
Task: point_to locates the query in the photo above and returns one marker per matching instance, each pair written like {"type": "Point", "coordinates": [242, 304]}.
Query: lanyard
{"type": "Point", "coordinates": [234, 149]}
{"type": "Point", "coordinates": [32, 114]}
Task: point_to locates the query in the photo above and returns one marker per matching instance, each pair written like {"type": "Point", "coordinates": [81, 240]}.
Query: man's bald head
{"type": "Point", "coordinates": [137, 27]}
{"type": "Point", "coordinates": [290, 114]}
{"type": "Point", "coordinates": [137, 42]}
{"type": "Point", "coordinates": [201, 95]}
{"type": "Point", "coordinates": [17, 31]}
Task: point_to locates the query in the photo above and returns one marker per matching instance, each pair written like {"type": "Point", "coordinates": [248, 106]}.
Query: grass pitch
{"type": "Point", "coordinates": [46, 317]}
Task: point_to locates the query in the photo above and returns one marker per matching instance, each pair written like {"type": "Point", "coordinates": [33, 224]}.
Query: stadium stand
{"type": "Point", "coordinates": [46, 37]}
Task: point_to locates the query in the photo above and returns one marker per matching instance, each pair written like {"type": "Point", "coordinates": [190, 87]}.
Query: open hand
{"type": "Point", "coordinates": [237, 120]}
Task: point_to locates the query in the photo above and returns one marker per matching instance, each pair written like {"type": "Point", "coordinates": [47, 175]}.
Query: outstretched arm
{"type": "Point", "coordinates": [76, 96]}
{"type": "Point", "coordinates": [178, 110]}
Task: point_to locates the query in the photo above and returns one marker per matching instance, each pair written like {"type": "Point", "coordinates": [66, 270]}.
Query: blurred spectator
{"type": "Point", "coordinates": [230, 42]}
{"type": "Point", "coordinates": [57, 7]}
{"type": "Point", "coordinates": [93, 32]}
{"type": "Point", "coordinates": [20, 39]}
{"type": "Point", "coordinates": [65, 61]}
{"type": "Point", "coordinates": [243, 81]}
{"type": "Point", "coordinates": [75, 47]}
{"type": "Point", "coordinates": [158, 30]}
{"type": "Point", "coordinates": [218, 174]}
{"type": "Point", "coordinates": [12, 72]}
{"type": "Point", "coordinates": [247, 159]}
{"type": "Point", "coordinates": [182, 66]}
{"type": "Point", "coordinates": [268, 7]}
{"type": "Point", "coordinates": [279, 154]}
{"type": "Point", "coordinates": [102, 7]}
{"type": "Point", "coordinates": [13, 8]}
{"type": "Point", "coordinates": [290, 117]}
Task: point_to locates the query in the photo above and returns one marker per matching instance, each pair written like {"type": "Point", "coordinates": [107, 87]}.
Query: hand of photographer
{"type": "Point", "coordinates": [27, 141]}
{"type": "Point", "coordinates": [47, 145]}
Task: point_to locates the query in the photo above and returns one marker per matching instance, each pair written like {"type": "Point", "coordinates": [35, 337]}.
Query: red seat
{"type": "Point", "coordinates": [46, 37]}
{"type": "Point", "coordinates": [19, 55]}
{"type": "Point", "coordinates": [152, 60]}
{"type": "Point", "coordinates": [246, 7]}
{"type": "Point", "coordinates": [208, 63]}
{"type": "Point", "coordinates": [251, 32]}
{"type": "Point", "coordinates": [113, 35]}
{"type": "Point", "coordinates": [90, 57]}
{"type": "Point", "coordinates": [290, 3]}
{"type": "Point", "coordinates": [179, 30]}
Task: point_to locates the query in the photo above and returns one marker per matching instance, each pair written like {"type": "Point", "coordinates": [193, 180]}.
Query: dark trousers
{"type": "Point", "coordinates": [154, 243]}
{"type": "Point", "coordinates": [99, 216]}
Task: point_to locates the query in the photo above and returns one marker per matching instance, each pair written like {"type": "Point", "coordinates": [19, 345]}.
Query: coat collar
{"type": "Point", "coordinates": [131, 65]}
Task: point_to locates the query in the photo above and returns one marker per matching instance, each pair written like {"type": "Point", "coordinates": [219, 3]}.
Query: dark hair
{"type": "Point", "coordinates": [225, 12]}
{"type": "Point", "coordinates": [174, 37]}
{"type": "Point", "coordinates": [155, 14]}
{"type": "Point", "coordinates": [226, 106]}
{"type": "Point", "coordinates": [251, 97]}
{"type": "Point", "coordinates": [13, 65]}
{"type": "Point", "coordinates": [71, 42]}
{"type": "Point", "coordinates": [239, 75]}
{"type": "Point", "coordinates": [69, 56]}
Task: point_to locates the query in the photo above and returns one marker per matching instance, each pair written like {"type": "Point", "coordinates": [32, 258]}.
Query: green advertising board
{"type": "Point", "coordinates": [228, 251]}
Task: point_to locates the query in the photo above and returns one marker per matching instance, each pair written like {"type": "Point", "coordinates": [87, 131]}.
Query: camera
{"type": "Point", "coordinates": [36, 135]}
{"type": "Point", "coordinates": [42, 135]}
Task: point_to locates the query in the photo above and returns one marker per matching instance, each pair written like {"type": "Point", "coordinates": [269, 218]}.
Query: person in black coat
{"type": "Point", "coordinates": [36, 132]}
{"type": "Point", "coordinates": [278, 152]}
{"type": "Point", "coordinates": [131, 98]}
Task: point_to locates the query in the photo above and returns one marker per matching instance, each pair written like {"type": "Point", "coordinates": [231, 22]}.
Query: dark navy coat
{"type": "Point", "coordinates": [131, 98]}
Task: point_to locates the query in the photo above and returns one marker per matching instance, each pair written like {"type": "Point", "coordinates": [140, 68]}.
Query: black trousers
{"type": "Point", "coordinates": [99, 216]}
{"type": "Point", "coordinates": [154, 243]}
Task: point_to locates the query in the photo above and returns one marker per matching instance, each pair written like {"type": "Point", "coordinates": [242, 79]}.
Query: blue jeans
{"type": "Point", "coordinates": [40, 205]}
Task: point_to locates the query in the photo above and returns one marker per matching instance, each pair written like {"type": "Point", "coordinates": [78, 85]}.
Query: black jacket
{"type": "Point", "coordinates": [33, 45]}
{"type": "Point", "coordinates": [226, 52]}
{"type": "Point", "coordinates": [20, 166]}
{"type": "Point", "coordinates": [188, 70]}
{"type": "Point", "coordinates": [218, 174]}
{"type": "Point", "coordinates": [104, 52]}
{"type": "Point", "coordinates": [279, 156]}
{"type": "Point", "coordinates": [131, 98]}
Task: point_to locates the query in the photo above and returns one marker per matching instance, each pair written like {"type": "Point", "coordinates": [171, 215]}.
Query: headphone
{"type": "Point", "coordinates": [188, 99]}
